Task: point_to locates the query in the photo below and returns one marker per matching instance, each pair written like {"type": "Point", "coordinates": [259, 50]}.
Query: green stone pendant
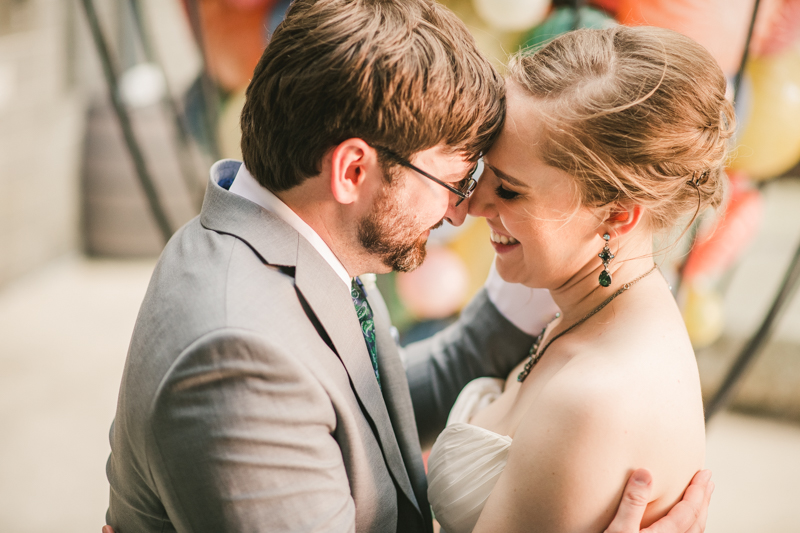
{"type": "Point", "coordinates": [605, 256]}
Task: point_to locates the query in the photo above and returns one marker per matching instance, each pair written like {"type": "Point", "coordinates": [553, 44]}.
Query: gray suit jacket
{"type": "Point", "coordinates": [248, 401]}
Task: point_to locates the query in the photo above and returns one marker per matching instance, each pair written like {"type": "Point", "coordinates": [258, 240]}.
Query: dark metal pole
{"type": "Point", "coordinates": [187, 167]}
{"type": "Point", "coordinates": [737, 80]}
{"type": "Point", "coordinates": [144, 36]}
{"type": "Point", "coordinates": [723, 396]}
{"type": "Point", "coordinates": [577, 6]}
{"type": "Point", "coordinates": [124, 121]}
{"type": "Point", "coordinates": [756, 345]}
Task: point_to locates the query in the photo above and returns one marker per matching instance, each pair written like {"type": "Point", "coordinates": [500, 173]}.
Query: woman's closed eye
{"type": "Point", "coordinates": [505, 194]}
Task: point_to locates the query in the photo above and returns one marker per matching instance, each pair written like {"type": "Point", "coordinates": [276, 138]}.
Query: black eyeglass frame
{"type": "Point", "coordinates": [462, 194]}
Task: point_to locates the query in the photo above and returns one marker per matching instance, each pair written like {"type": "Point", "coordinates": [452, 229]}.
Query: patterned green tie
{"type": "Point", "coordinates": [364, 312]}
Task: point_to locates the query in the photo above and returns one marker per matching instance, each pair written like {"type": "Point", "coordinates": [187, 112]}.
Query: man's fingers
{"type": "Point", "coordinates": [634, 501]}
{"type": "Point", "coordinates": [700, 525]}
{"type": "Point", "coordinates": [108, 529]}
{"type": "Point", "coordinates": [689, 514]}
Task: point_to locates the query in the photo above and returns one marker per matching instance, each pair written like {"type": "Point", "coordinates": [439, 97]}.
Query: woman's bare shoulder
{"type": "Point", "coordinates": [568, 461]}
{"type": "Point", "coordinates": [606, 413]}
{"type": "Point", "coordinates": [635, 394]}
{"type": "Point", "coordinates": [644, 365]}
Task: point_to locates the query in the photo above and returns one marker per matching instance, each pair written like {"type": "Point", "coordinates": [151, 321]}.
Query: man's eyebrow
{"type": "Point", "coordinates": [505, 177]}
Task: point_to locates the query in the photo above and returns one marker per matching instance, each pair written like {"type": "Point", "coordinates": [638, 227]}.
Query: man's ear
{"type": "Point", "coordinates": [351, 161]}
{"type": "Point", "coordinates": [621, 218]}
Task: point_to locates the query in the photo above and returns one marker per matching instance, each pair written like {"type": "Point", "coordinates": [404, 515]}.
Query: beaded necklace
{"type": "Point", "coordinates": [535, 355]}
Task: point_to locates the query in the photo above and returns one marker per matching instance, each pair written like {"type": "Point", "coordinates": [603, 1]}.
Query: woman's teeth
{"type": "Point", "coordinates": [502, 239]}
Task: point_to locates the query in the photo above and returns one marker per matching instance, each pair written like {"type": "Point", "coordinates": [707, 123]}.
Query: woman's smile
{"type": "Point", "coordinates": [502, 243]}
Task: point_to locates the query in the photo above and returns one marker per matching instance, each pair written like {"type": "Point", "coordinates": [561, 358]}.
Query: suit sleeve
{"type": "Point", "coordinates": [481, 343]}
{"type": "Point", "coordinates": [242, 441]}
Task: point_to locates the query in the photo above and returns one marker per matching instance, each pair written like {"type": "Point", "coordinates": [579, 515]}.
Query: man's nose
{"type": "Point", "coordinates": [456, 214]}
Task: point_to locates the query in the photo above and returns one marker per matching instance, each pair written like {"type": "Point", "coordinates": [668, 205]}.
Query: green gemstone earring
{"type": "Point", "coordinates": [606, 256]}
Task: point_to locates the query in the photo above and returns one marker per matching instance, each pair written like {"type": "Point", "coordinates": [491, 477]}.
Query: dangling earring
{"type": "Point", "coordinates": [606, 256]}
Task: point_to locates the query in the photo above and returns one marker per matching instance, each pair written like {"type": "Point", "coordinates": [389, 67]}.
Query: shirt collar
{"type": "Point", "coordinates": [246, 186]}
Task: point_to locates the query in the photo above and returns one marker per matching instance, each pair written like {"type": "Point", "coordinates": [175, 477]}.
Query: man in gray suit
{"type": "Point", "coordinates": [263, 390]}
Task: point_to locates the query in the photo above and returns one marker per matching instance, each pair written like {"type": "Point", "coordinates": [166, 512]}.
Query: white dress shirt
{"type": "Point", "coordinates": [528, 309]}
{"type": "Point", "coordinates": [246, 186]}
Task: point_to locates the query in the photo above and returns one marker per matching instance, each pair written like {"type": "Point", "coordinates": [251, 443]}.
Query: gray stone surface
{"type": "Point", "coordinates": [64, 332]}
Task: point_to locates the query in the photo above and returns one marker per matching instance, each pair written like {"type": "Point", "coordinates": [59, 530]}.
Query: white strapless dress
{"type": "Point", "coordinates": [466, 460]}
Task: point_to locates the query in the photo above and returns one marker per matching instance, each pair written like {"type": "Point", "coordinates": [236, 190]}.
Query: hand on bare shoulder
{"type": "Point", "coordinates": [586, 431]}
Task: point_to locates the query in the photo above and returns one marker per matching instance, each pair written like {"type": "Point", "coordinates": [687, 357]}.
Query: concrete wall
{"type": "Point", "coordinates": [49, 76]}
{"type": "Point", "coordinates": [41, 130]}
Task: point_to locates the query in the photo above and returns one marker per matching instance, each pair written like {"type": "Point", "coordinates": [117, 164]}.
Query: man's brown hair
{"type": "Point", "coordinates": [406, 75]}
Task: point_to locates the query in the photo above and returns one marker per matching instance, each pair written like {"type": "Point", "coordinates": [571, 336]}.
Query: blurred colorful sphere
{"type": "Point", "coordinates": [770, 145]}
{"type": "Point", "coordinates": [719, 25]}
{"type": "Point", "coordinates": [438, 288]}
{"type": "Point", "coordinates": [512, 15]}
{"type": "Point", "coordinates": [563, 20]}
{"type": "Point", "coordinates": [234, 38]}
{"type": "Point", "coordinates": [720, 247]}
{"type": "Point", "coordinates": [704, 316]}
{"type": "Point", "coordinates": [611, 6]}
{"type": "Point", "coordinates": [777, 28]}
{"type": "Point", "coordinates": [142, 85]}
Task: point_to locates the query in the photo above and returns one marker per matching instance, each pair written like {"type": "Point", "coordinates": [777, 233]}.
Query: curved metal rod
{"type": "Point", "coordinates": [577, 6]}
{"type": "Point", "coordinates": [737, 79]}
{"type": "Point", "coordinates": [726, 391]}
{"type": "Point", "coordinates": [187, 167]}
{"type": "Point", "coordinates": [142, 172]}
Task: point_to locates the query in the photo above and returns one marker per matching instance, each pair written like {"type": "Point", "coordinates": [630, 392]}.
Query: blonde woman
{"type": "Point", "coordinates": [611, 137]}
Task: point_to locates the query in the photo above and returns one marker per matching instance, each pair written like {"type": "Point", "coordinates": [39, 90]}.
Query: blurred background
{"type": "Point", "coordinates": [111, 112]}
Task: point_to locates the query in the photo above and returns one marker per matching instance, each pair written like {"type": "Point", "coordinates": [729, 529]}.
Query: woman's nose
{"type": "Point", "coordinates": [481, 203]}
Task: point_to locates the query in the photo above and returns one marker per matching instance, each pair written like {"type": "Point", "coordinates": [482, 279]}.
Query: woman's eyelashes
{"type": "Point", "coordinates": [505, 194]}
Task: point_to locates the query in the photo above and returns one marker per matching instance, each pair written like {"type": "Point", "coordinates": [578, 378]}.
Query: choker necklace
{"type": "Point", "coordinates": [534, 354]}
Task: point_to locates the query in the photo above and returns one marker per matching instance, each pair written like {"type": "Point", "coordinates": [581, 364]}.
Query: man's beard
{"type": "Point", "coordinates": [386, 233]}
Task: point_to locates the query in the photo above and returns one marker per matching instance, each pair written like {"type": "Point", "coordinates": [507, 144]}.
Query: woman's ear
{"type": "Point", "coordinates": [621, 218]}
{"type": "Point", "coordinates": [351, 161]}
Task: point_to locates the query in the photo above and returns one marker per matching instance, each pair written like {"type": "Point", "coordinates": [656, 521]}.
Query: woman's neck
{"type": "Point", "coordinates": [582, 293]}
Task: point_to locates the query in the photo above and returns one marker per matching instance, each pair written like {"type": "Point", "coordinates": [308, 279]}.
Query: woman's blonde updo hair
{"type": "Point", "coordinates": [635, 113]}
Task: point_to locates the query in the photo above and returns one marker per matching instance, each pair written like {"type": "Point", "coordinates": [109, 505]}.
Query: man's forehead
{"type": "Point", "coordinates": [452, 164]}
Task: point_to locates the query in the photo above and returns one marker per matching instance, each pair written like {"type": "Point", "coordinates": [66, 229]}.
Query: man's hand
{"type": "Point", "coordinates": [688, 516]}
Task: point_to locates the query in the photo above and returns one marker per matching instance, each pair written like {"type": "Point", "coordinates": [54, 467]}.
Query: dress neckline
{"type": "Point", "coordinates": [464, 425]}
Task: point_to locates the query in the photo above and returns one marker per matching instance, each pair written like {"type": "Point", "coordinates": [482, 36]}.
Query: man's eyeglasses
{"type": "Point", "coordinates": [465, 186]}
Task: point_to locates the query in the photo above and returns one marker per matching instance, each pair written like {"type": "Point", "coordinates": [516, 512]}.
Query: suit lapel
{"type": "Point", "coordinates": [331, 302]}
{"type": "Point", "coordinates": [272, 239]}
{"type": "Point", "coordinates": [279, 244]}
{"type": "Point", "coordinates": [398, 401]}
